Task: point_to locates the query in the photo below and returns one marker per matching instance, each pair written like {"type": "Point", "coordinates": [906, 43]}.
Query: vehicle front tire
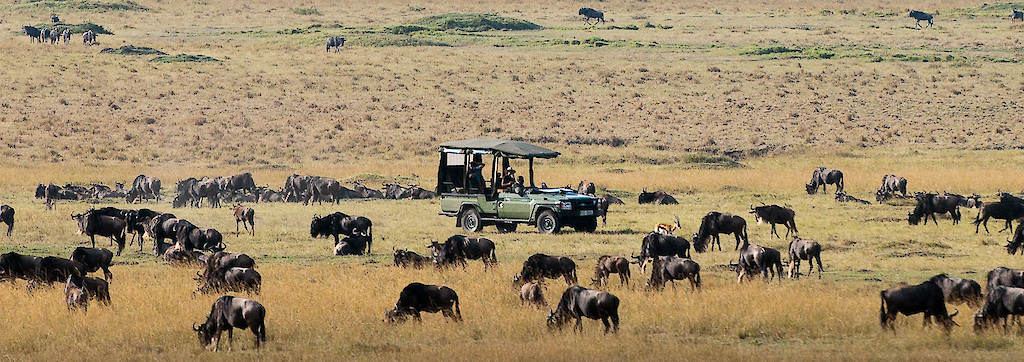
{"type": "Point", "coordinates": [470, 221]}
{"type": "Point", "coordinates": [548, 223]}
{"type": "Point", "coordinates": [507, 228]}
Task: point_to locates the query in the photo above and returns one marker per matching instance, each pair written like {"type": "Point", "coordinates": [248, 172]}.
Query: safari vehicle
{"type": "Point", "coordinates": [477, 199]}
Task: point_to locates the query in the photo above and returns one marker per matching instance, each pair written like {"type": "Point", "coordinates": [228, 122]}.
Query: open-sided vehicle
{"type": "Point", "coordinates": [477, 197]}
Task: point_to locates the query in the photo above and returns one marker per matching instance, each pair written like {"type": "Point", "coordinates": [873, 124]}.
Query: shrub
{"type": "Point", "coordinates": [475, 22]}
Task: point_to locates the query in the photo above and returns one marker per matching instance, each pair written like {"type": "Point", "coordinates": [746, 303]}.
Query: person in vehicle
{"type": "Point", "coordinates": [508, 178]}
{"type": "Point", "coordinates": [476, 174]}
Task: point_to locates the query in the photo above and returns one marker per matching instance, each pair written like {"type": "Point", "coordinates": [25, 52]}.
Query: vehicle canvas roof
{"type": "Point", "coordinates": [504, 148]}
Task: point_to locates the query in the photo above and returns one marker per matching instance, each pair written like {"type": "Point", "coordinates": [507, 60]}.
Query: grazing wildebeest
{"type": "Point", "coordinates": [608, 265]}
{"type": "Point", "coordinates": [756, 259]}
{"type": "Point", "coordinates": [1016, 15]}
{"type": "Point", "coordinates": [775, 214]}
{"type": "Point", "coordinates": [165, 226]}
{"type": "Point", "coordinates": [929, 204]}
{"type": "Point", "coordinates": [589, 13]}
{"type": "Point", "coordinates": [1000, 303]}
{"type": "Point", "coordinates": [822, 177]}
{"type": "Point", "coordinates": [672, 269]}
{"type": "Point", "coordinates": [53, 269]}
{"type": "Point", "coordinates": [533, 293]}
{"type": "Point", "coordinates": [89, 37]}
{"type": "Point", "coordinates": [7, 217]}
{"type": "Point", "coordinates": [461, 248]}
{"type": "Point", "coordinates": [201, 239]}
{"type": "Point", "coordinates": [892, 184]}
{"type": "Point", "coordinates": [228, 260]}
{"type": "Point", "coordinates": [1005, 277]}
{"type": "Point", "coordinates": [144, 188]}
{"type": "Point", "coordinates": [843, 197]}
{"type": "Point", "coordinates": [230, 312]}
{"type": "Point", "coordinates": [959, 290]}
{"type": "Point", "coordinates": [803, 249]}
{"type": "Point", "coordinates": [136, 221]}
{"type": "Point", "coordinates": [1008, 208]}
{"type": "Point", "coordinates": [335, 42]}
{"type": "Point", "coordinates": [33, 33]}
{"type": "Point", "coordinates": [921, 16]}
{"type": "Point", "coordinates": [924, 298]}
{"type": "Point", "coordinates": [655, 245]}
{"type": "Point", "coordinates": [76, 297]}
{"type": "Point", "coordinates": [539, 266]}
{"type": "Point", "coordinates": [405, 258]}
{"type": "Point", "coordinates": [658, 198]}
{"type": "Point", "coordinates": [245, 215]}
{"type": "Point", "coordinates": [715, 223]}
{"type": "Point", "coordinates": [418, 297]}
{"type": "Point", "coordinates": [232, 279]}
{"type": "Point", "coordinates": [341, 224]}
{"type": "Point", "coordinates": [95, 288]}
{"type": "Point", "coordinates": [578, 302]}
{"type": "Point", "coordinates": [94, 259]}
{"type": "Point", "coordinates": [93, 224]}
{"type": "Point", "coordinates": [14, 265]}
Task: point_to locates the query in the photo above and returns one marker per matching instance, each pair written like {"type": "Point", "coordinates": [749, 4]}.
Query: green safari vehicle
{"type": "Point", "coordinates": [497, 197]}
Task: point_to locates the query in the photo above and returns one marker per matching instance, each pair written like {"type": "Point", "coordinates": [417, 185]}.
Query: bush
{"type": "Point", "coordinates": [770, 50]}
{"type": "Point", "coordinates": [183, 58]}
{"type": "Point", "coordinates": [475, 22]}
{"type": "Point", "coordinates": [404, 29]}
{"type": "Point", "coordinates": [132, 50]}
{"type": "Point", "coordinates": [306, 11]}
{"type": "Point", "coordinates": [84, 5]}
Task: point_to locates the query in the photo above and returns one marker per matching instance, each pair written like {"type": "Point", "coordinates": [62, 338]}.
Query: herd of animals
{"type": "Point", "coordinates": [668, 256]}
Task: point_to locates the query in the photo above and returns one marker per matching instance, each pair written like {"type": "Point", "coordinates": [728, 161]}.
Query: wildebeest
{"type": "Point", "coordinates": [53, 269]}
{"type": "Point", "coordinates": [144, 188]}
{"type": "Point", "coordinates": [1005, 277]}
{"type": "Point", "coordinates": [1018, 240]}
{"type": "Point", "coordinates": [44, 35]}
{"type": "Point", "coordinates": [335, 42]}
{"type": "Point", "coordinates": [658, 198]}
{"type": "Point", "coordinates": [55, 35]}
{"type": "Point", "coordinates": [589, 13]}
{"type": "Point", "coordinates": [89, 37]}
{"type": "Point", "coordinates": [295, 186]}
{"type": "Point", "coordinates": [351, 245]}
{"type": "Point", "coordinates": [242, 181]}
{"type": "Point", "coordinates": [1014, 15]}
{"type": "Point", "coordinates": [843, 197]}
{"type": "Point", "coordinates": [892, 184]}
{"type": "Point", "coordinates": [230, 312]}
{"type": "Point", "coordinates": [924, 298]}
{"type": "Point", "coordinates": [341, 224]}
{"type": "Point", "coordinates": [201, 239]}
{"type": "Point", "coordinates": [959, 290]}
{"type": "Point", "coordinates": [539, 266]}
{"type": "Point", "coordinates": [18, 266]}
{"type": "Point", "coordinates": [92, 224]}
{"type": "Point", "coordinates": [756, 259]}
{"type": "Point", "coordinates": [364, 192]}
{"type": "Point", "coordinates": [1000, 303]}
{"type": "Point", "coordinates": [229, 260]}
{"type": "Point", "coordinates": [803, 249]}
{"type": "Point", "coordinates": [929, 204]}
{"type": "Point", "coordinates": [533, 293]}
{"type": "Point", "coordinates": [823, 177]}
{"type": "Point", "coordinates": [655, 245]}
{"type": "Point", "coordinates": [245, 215]}
{"type": "Point", "coordinates": [578, 302]}
{"type": "Point", "coordinates": [672, 269]}
{"type": "Point", "coordinates": [232, 279]}
{"type": "Point", "coordinates": [165, 226]}
{"type": "Point", "coordinates": [418, 297]}
{"type": "Point", "coordinates": [320, 189]}
{"type": "Point", "coordinates": [715, 223]}
{"type": "Point", "coordinates": [94, 288]}
{"type": "Point", "coordinates": [459, 248]}
{"type": "Point", "coordinates": [608, 265]}
{"type": "Point", "coordinates": [66, 35]}
{"type": "Point", "coordinates": [921, 16]}
{"type": "Point", "coordinates": [7, 217]}
{"type": "Point", "coordinates": [405, 258]}
{"type": "Point", "coordinates": [94, 259]}
{"type": "Point", "coordinates": [775, 214]}
{"type": "Point", "coordinates": [1008, 208]}
{"type": "Point", "coordinates": [136, 221]}
{"type": "Point", "coordinates": [33, 33]}
{"type": "Point", "coordinates": [76, 297]}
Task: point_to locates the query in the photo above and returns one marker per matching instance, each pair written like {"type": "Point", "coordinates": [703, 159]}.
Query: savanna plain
{"type": "Point", "coordinates": [722, 104]}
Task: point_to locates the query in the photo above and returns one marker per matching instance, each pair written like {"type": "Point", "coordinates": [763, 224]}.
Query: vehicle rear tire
{"type": "Point", "coordinates": [470, 221]}
{"type": "Point", "coordinates": [507, 228]}
{"type": "Point", "coordinates": [548, 223]}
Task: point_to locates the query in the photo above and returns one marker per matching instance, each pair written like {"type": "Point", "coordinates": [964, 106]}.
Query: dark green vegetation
{"type": "Point", "coordinates": [132, 50]}
{"type": "Point", "coordinates": [183, 58]}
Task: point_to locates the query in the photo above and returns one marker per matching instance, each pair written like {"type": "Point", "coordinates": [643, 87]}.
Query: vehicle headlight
{"type": "Point", "coordinates": [565, 205]}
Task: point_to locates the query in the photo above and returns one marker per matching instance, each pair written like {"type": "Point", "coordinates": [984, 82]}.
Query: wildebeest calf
{"type": "Point", "coordinates": [245, 215]}
{"type": "Point", "coordinates": [533, 293]}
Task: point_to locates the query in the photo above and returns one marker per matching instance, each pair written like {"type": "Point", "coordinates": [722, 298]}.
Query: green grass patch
{"type": "Point", "coordinates": [76, 28]}
{"type": "Point", "coordinates": [98, 6]}
{"type": "Point", "coordinates": [993, 9]}
{"type": "Point", "coordinates": [475, 22]}
{"type": "Point", "coordinates": [132, 50]}
{"type": "Point", "coordinates": [404, 29]}
{"type": "Point", "coordinates": [394, 40]}
{"type": "Point", "coordinates": [623, 27]}
{"type": "Point", "coordinates": [183, 58]}
{"type": "Point", "coordinates": [307, 11]}
{"type": "Point", "coordinates": [770, 50]}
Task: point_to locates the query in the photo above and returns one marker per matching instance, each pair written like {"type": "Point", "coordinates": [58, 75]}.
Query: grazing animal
{"type": "Point", "coordinates": [756, 259]}
{"type": "Point", "coordinates": [578, 302]}
{"type": "Point", "coordinates": [1005, 277]}
{"type": "Point", "coordinates": [533, 293]}
{"type": "Point", "coordinates": [657, 245]}
{"type": "Point", "coordinates": [405, 258]}
{"type": "Point", "coordinates": [1018, 240]}
{"type": "Point", "coordinates": [930, 204]}
{"type": "Point", "coordinates": [92, 224]}
{"type": "Point", "coordinates": [715, 223]}
{"type": "Point", "coordinates": [822, 177]}
{"type": "Point", "coordinates": [89, 37]}
{"type": "Point", "coordinates": [892, 184]}
{"type": "Point", "coordinates": [94, 259]}
{"type": "Point", "coordinates": [335, 42]}
{"type": "Point", "coordinates": [320, 189]}
{"type": "Point", "coordinates": [144, 188]}
{"type": "Point", "coordinates": [418, 297]}
{"type": "Point", "coordinates": [232, 279]}
{"type": "Point", "coordinates": [165, 226]}
{"type": "Point", "coordinates": [34, 34]}
{"type": "Point", "coordinates": [667, 228]}
{"type": "Point", "coordinates": [18, 266]}
{"type": "Point", "coordinates": [1008, 208]}
{"type": "Point", "coordinates": [589, 13]}
{"type": "Point", "coordinates": [7, 217]}
{"type": "Point", "coordinates": [924, 298]}
{"type": "Point", "coordinates": [245, 215]}
{"type": "Point", "coordinates": [95, 288]}
{"type": "Point", "coordinates": [658, 198]}
{"type": "Point", "coordinates": [463, 247]}
{"type": "Point", "coordinates": [775, 214]}
{"type": "Point", "coordinates": [53, 269]}
{"type": "Point", "coordinates": [608, 265]}
{"type": "Point", "coordinates": [230, 312]}
{"type": "Point", "coordinates": [195, 238]}
{"type": "Point", "coordinates": [1016, 15]}
{"type": "Point", "coordinates": [803, 249]}
{"type": "Point", "coordinates": [959, 290]}
{"type": "Point", "coordinates": [843, 197]}
{"type": "Point", "coordinates": [672, 269]}
{"type": "Point", "coordinates": [539, 266]}
{"type": "Point", "coordinates": [921, 16]}
{"type": "Point", "coordinates": [341, 224]}
{"type": "Point", "coordinates": [76, 297]}
{"type": "Point", "coordinates": [1000, 303]}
